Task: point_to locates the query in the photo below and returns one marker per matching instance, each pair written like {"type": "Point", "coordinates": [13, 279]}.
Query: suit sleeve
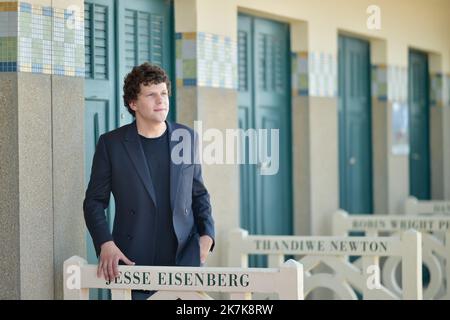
{"type": "Point", "coordinates": [97, 196]}
{"type": "Point", "coordinates": [201, 205]}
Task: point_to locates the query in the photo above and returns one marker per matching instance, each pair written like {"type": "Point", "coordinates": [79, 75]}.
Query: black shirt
{"type": "Point", "coordinates": [157, 153]}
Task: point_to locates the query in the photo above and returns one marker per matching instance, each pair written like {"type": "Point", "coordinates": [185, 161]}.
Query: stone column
{"type": "Point", "coordinates": [41, 152]}
{"type": "Point", "coordinates": [206, 79]}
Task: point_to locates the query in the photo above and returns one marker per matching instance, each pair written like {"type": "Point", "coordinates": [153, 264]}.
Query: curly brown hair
{"type": "Point", "coordinates": [145, 74]}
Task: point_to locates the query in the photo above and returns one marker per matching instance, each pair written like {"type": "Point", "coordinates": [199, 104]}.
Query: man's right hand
{"type": "Point", "coordinates": [108, 263]}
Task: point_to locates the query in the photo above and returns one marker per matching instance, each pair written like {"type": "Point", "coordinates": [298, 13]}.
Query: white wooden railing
{"type": "Point", "coordinates": [420, 207]}
{"type": "Point", "coordinates": [435, 245]}
{"type": "Point", "coordinates": [333, 253]}
{"type": "Point", "coordinates": [188, 283]}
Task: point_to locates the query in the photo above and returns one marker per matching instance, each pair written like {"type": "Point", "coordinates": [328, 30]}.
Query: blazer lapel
{"type": "Point", "coordinates": [136, 153]}
{"type": "Point", "coordinates": [175, 169]}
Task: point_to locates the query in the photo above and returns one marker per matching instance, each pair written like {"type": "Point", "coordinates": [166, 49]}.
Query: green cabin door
{"type": "Point", "coordinates": [264, 103]}
{"type": "Point", "coordinates": [355, 139]}
{"type": "Point", "coordinates": [100, 98]}
{"type": "Point", "coordinates": [419, 119]}
{"type": "Point", "coordinates": [118, 35]}
{"type": "Point", "coordinates": [419, 128]}
{"type": "Point", "coordinates": [144, 33]}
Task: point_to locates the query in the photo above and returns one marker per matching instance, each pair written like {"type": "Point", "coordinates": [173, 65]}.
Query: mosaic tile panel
{"type": "Point", "coordinates": [436, 90]}
{"type": "Point", "coordinates": [379, 82]}
{"type": "Point", "coordinates": [447, 90]}
{"type": "Point", "coordinates": [8, 36]}
{"type": "Point", "coordinates": [41, 39]}
{"type": "Point", "coordinates": [217, 61]}
{"type": "Point", "coordinates": [398, 84]}
{"type": "Point", "coordinates": [300, 85]}
{"type": "Point", "coordinates": [206, 60]}
{"type": "Point", "coordinates": [322, 74]}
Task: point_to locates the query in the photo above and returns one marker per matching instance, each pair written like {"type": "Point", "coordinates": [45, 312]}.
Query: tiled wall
{"type": "Point", "coordinates": [397, 84]}
{"type": "Point", "coordinates": [397, 89]}
{"type": "Point", "coordinates": [314, 74]}
{"type": "Point", "coordinates": [447, 90]}
{"type": "Point", "coordinates": [8, 36]}
{"type": "Point", "coordinates": [436, 90]}
{"type": "Point", "coordinates": [299, 71]}
{"type": "Point", "coordinates": [322, 75]}
{"type": "Point", "coordinates": [41, 39]}
{"type": "Point", "coordinates": [379, 82]}
{"type": "Point", "coordinates": [206, 60]}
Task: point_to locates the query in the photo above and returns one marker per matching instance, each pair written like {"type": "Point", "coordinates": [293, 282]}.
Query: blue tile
{"type": "Point", "coordinates": [303, 92]}
{"type": "Point", "coordinates": [190, 82]}
{"type": "Point", "coordinates": [79, 72]}
{"type": "Point", "coordinates": [68, 14]}
{"type": "Point", "coordinates": [47, 11]}
{"type": "Point", "coordinates": [178, 36]}
{"type": "Point", "coordinates": [382, 98]}
{"type": "Point", "coordinates": [25, 7]}
{"type": "Point", "coordinates": [58, 70]}
{"type": "Point", "coordinates": [8, 66]}
{"type": "Point", "coordinates": [36, 68]}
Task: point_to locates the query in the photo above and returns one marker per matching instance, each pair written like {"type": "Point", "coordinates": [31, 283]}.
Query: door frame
{"type": "Point", "coordinates": [253, 113]}
{"type": "Point", "coordinates": [342, 151]}
{"type": "Point", "coordinates": [412, 51]}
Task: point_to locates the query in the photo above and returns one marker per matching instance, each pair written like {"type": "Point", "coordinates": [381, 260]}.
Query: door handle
{"type": "Point", "coordinates": [352, 161]}
{"type": "Point", "coordinates": [263, 165]}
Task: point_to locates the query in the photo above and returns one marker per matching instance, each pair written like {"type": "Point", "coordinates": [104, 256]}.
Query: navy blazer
{"type": "Point", "coordinates": [120, 167]}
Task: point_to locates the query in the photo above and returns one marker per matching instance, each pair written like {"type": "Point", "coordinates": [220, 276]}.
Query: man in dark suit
{"type": "Point", "coordinates": [162, 207]}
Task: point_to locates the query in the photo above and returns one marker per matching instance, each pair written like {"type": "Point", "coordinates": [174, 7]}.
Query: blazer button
{"type": "Point", "coordinates": [129, 237]}
{"type": "Point", "coordinates": [132, 212]}
{"type": "Point", "coordinates": [186, 211]}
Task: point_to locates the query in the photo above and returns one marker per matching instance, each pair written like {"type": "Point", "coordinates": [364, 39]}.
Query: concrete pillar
{"type": "Point", "coordinates": [41, 152]}
{"type": "Point", "coordinates": [437, 122]}
{"type": "Point", "coordinates": [380, 126]}
{"type": "Point", "coordinates": [316, 150]}
{"type": "Point", "coordinates": [69, 229]}
{"type": "Point", "coordinates": [398, 163]}
{"type": "Point", "coordinates": [207, 93]}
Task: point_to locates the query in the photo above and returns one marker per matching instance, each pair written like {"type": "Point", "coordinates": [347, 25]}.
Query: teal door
{"type": "Point", "coordinates": [118, 35]}
{"type": "Point", "coordinates": [144, 33]}
{"type": "Point", "coordinates": [419, 128]}
{"type": "Point", "coordinates": [419, 119]}
{"type": "Point", "coordinates": [355, 139]}
{"type": "Point", "coordinates": [100, 98]}
{"type": "Point", "coordinates": [264, 103]}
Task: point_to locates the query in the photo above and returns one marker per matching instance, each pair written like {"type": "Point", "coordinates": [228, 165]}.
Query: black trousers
{"type": "Point", "coordinates": [141, 294]}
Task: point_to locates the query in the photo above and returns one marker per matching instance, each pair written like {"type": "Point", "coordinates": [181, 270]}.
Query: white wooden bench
{"type": "Point", "coordinates": [186, 283]}
{"type": "Point", "coordinates": [420, 207]}
{"type": "Point", "coordinates": [435, 249]}
{"type": "Point", "coordinates": [333, 253]}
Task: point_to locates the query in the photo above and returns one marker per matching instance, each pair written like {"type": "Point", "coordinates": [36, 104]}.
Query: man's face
{"type": "Point", "coordinates": [152, 104]}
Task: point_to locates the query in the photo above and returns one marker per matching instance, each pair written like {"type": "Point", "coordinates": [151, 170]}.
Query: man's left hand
{"type": "Point", "coordinates": [205, 245]}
